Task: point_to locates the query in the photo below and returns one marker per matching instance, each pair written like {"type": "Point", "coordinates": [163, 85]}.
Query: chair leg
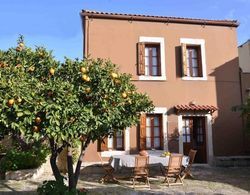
{"type": "Point", "coordinates": [147, 180]}
{"type": "Point", "coordinates": [162, 171]}
{"type": "Point", "coordinates": [168, 181]}
{"type": "Point", "coordinates": [187, 174]}
{"type": "Point", "coordinates": [181, 180]}
{"type": "Point", "coordinates": [134, 183]}
{"type": "Point", "coordinates": [184, 176]}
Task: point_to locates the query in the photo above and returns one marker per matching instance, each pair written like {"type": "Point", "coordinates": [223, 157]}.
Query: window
{"type": "Point", "coordinates": [187, 127]}
{"type": "Point", "coordinates": [118, 141]}
{"type": "Point", "coordinates": [193, 59]}
{"type": "Point", "coordinates": [151, 58]}
{"type": "Point", "coordinates": [194, 67]}
{"type": "Point", "coordinates": [113, 143]}
{"type": "Point", "coordinates": [151, 132]}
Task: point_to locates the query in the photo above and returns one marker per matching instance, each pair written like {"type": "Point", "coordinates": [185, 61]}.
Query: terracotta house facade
{"type": "Point", "coordinates": [188, 67]}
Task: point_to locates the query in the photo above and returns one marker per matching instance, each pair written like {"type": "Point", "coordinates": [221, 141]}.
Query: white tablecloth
{"type": "Point", "coordinates": [129, 161]}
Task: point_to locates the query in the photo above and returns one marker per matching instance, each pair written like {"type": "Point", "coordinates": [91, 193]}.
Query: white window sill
{"type": "Point", "coordinates": [152, 78]}
{"type": "Point", "coordinates": [194, 78]}
{"type": "Point", "coordinates": [113, 152]}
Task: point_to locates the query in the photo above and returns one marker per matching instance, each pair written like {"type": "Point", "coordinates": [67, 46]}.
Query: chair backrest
{"type": "Point", "coordinates": [141, 164]}
{"type": "Point", "coordinates": [105, 163]}
{"type": "Point", "coordinates": [174, 164]}
{"type": "Point", "coordinates": [191, 156]}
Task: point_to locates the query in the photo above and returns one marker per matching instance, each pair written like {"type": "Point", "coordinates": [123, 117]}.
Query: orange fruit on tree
{"type": "Point", "coordinates": [38, 120]}
{"type": "Point", "coordinates": [83, 70]}
{"type": "Point", "coordinates": [85, 77]}
{"type": "Point", "coordinates": [19, 100]}
{"type": "Point", "coordinates": [35, 128]}
{"type": "Point", "coordinates": [11, 102]}
{"type": "Point", "coordinates": [21, 45]}
{"type": "Point", "coordinates": [52, 71]}
{"type": "Point", "coordinates": [124, 95]}
{"type": "Point", "coordinates": [87, 90]}
{"type": "Point", "coordinates": [114, 75]}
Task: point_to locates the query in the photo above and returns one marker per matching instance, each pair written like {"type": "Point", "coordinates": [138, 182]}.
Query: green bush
{"type": "Point", "coordinates": [3, 149]}
{"type": "Point", "coordinates": [52, 187]}
{"type": "Point", "coordinates": [17, 158]}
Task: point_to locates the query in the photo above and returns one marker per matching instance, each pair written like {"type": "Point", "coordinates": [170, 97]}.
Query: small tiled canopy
{"type": "Point", "coordinates": [192, 107]}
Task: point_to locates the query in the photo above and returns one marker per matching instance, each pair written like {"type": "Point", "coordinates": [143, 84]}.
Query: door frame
{"type": "Point", "coordinates": [208, 132]}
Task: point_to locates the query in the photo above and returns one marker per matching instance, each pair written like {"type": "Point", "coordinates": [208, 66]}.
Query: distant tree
{"type": "Point", "coordinates": [245, 113]}
{"type": "Point", "coordinates": [65, 103]}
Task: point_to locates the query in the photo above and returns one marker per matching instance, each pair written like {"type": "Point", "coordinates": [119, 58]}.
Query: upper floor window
{"type": "Point", "coordinates": [193, 59]}
{"type": "Point", "coordinates": [151, 58]}
{"type": "Point", "coordinates": [194, 67]}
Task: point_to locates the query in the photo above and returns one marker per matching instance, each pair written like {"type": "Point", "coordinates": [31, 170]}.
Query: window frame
{"type": "Point", "coordinates": [152, 126]}
{"type": "Point", "coordinates": [150, 56]}
{"type": "Point", "coordinates": [114, 140]}
{"type": "Point", "coordinates": [197, 48]}
{"type": "Point", "coordinates": [110, 152]}
{"type": "Point", "coordinates": [196, 43]}
{"type": "Point", "coordinates": [141, 140]}
{"type": "Point", "coordinates": [161, 42]}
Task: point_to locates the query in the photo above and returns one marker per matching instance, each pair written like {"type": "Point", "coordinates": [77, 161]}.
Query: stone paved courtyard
{"type": "Point", "coordinates": [208, 180]}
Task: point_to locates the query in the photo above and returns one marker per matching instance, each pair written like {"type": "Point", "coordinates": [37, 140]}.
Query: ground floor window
{"type": "Point", "coordinates": [151, 135]}
{"type": "Point", "coordinates": [112, 143]}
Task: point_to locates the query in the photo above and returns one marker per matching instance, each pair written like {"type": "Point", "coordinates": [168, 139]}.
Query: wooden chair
{"type": "Point", "coordinates": [140, 170]}
{"type": "Point", "coordinates": [109, 171]}
{"type": "Point", "coordinates": [187, 171]}
{"type": "Point", "coordinates": [173, 170]}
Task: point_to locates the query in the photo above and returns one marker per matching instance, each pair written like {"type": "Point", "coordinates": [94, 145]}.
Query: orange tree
{"type": "Point", "coordinates": [77, 100]}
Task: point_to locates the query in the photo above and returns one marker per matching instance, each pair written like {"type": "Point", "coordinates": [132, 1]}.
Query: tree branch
{"type": "Point", "coordinates": [60, 149]}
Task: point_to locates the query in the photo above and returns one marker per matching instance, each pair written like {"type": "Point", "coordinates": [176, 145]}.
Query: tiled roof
{"type": "Point", "coordinates": [140, 17]}
{"type": "Point", "coordinates": [193, 107]}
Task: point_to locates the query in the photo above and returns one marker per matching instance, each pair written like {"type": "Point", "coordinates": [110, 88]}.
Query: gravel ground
{"type": "Point", "coordinates": [208, 180]}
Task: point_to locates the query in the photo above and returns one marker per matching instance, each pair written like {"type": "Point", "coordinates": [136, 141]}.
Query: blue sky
{"type": "Point", "coordinates": [56, 24]}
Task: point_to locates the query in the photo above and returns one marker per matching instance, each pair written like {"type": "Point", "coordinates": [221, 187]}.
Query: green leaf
{"type": "Point", "coordinates": [19, 114]}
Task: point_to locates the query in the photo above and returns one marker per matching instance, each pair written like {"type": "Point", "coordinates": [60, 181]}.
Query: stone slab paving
{"type": "Point", "coordinates": [208, 180]}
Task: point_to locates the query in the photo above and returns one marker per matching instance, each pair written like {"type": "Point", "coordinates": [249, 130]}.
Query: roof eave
{"type": "Point", "coordinates": [232, 23]}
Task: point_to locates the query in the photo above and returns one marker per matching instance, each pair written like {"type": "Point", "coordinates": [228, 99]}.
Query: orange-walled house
{"type": "Point", "coordinates": [188, 67]}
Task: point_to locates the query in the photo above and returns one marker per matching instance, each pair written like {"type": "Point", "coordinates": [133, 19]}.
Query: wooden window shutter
{"type": "Point", "coordinates": [199, 61]}
{"type": "Point", "coordinates": [143, 132]}
{"type": "Point", "coordinates": [103, 144]}
{"type": "Point", "coordinates": [161, 132]}
{"type": "Point", "coordinates": [141, 58]}
{"type": "Point", "coordinates": [184, 58]}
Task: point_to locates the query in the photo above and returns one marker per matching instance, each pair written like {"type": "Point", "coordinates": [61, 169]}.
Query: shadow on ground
{"type": "Point", "coordinates": [208, 180]}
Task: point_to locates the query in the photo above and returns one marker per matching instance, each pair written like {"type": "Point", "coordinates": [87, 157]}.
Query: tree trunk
{"type": "Point", "coordinates": [53, 164]}
{"type": "Point", "coordinates": [72, 183]}
{"type": "Point", "coordinates": [54, 167]}
{"type": "Point", "coordinates": [80, 159]}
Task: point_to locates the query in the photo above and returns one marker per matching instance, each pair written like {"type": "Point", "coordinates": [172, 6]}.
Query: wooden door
{"type": "Point", "coordinates": [194, 137]}
{"type": "Point", "coordinates": [199, 139]}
